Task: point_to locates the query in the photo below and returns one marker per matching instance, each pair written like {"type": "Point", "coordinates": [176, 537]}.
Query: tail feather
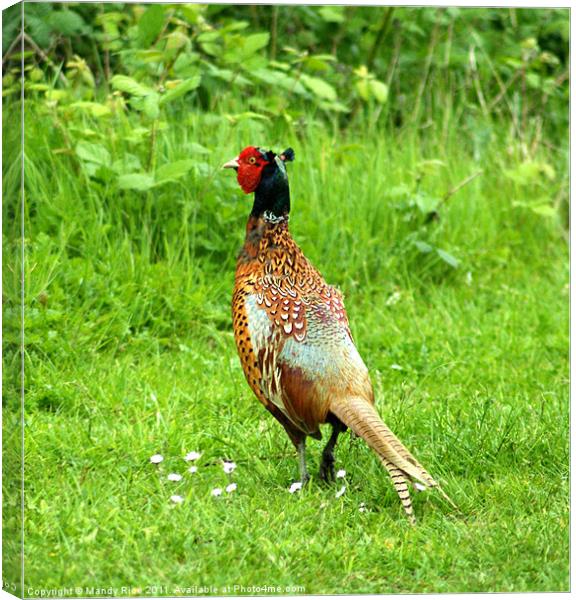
{"type": "Point", "coordinates": [361, 417]}
{"type": "Point", "coordinates": [401, 487]}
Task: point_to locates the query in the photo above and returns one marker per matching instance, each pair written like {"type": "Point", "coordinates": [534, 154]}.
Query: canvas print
{"type": "Point", "coordinates": [285, 299]}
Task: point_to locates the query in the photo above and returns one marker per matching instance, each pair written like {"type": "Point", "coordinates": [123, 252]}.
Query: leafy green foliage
{"type": "Point", "coordinates": [338, 60]}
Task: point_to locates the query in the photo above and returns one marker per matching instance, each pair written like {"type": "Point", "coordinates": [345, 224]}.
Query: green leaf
{"type": "Point", "coordinates": [212, 48]}
{"type": "Point", "coordinates": [208, 36]}
{"type": "Point", "coordinates": [448, 258]}
{"type": "Point", "coordinates": [128, 162]}
{"type": "Point", "coordinates": [334, 106]}
{"type": "Point", "coordinates": [195, 148]}
{"type": "Point", "coordinates": [191, 12]}
{"type": "Point", "coordinates": [150, 24]}
{"type": "Point", "coordinates": [209, 43]}
{"type": "Point", "coordinates": [530, 172]}
{"type": "Point", "coordinates": [316, 63]}
{"type": "Point", "coordinates": [256, 61]}
{"type": "Point", "coordinates": [151, 105]}
{"type": "Point", "coordinates": [130, 86]}
{"type": "Point", "coordinates": [277, 78]}
{"type": "Point", "coordinates": [94, 153]}
{"type": "Point", "coordinates": [136, 181]}
{"type": "Point", "coordinates": [228, 76]}
{"type": "Point", "coordinates": [545, 210]}
{"type": "Point", "coordinates": [255, 42]}
{"type": "Point", "coordinates": [426, 203]}
{"type": "Point", "coordinates": [363, 89]}
{"type": "Point", "coordinates": [173, 170]}
{"type": "Point", "coordinates": [431, 166]}
{"type": "Point", "coordinates": [247, 116]}
{"type": "Point", "coordinates": [66, 22]}
{"type": "Point", "coordinates": [332, 14]}
{"type": "Point", "coordinates": [39, 29]}
{"type": "Point", "coordinates": [181, 89]}
{"type": "Point", "coordinates": [150, 56]}
{"type": "Point", "coordinates": [185, 65]}
{"type": "Point", "coordinates": [379, 90]}
{"type": "Point", "coordinates": [319, 87]}
{"type": "Point", "coordinates": [423, 247]}
{"type": "Point", "coordinates": [94, 108]}
{"type": "Point", "coordinates": [176, 40]}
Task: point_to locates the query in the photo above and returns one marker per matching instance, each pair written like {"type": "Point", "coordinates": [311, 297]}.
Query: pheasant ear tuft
{"type": "Point", "coordinates": [287, 155]}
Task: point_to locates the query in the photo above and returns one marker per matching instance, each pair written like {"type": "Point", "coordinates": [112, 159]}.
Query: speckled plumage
{"type": "Point", "coordinates": [293, 337]}
{"type": "Point", "coordinates": [291, 329]}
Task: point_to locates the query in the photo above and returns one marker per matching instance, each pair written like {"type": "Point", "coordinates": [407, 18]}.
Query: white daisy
{"type": "Point", "coordinates": [193, 456]}
{"type": "Point", "coordinates": [217, 492]}
{"type": "Point", "coordinates": [174, 477]}
{"type": "Point", "coordinates": [231, 487]}
{"type": "Point", "coordinates": [229, 466]}
{"type": "Point", "coordinates": [297, 485]}
{"type": "Point", "coordinates": [192, 469]}
{"type": "Point", "coordinates": [341, 474]}
{"type": "Point", "coordinates": [419, 486]}
{"type": "Point", "coordinates": [156, 458]}
{"type": "Point", "coordinates": [341, 491]}
{"type": "Point", "coordinates": [177, 499]}
{"type": "Point", "coordinates": [362, 508]}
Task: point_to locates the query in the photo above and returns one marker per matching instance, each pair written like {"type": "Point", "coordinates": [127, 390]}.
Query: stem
{"type": "Point", "coordinates": [11, 48]}
{"type": "Point", "coordinates": [385, 23]}
{"type": "Point", "coordinates": [395, 57]}
{"type": "Point", "coordinates": [448, 50]}
{"type": "Point", "coordinates": [458, 187]}
{"type": "Point", "coordinates": [255, 17]}
{"type": "Point", "coordinates": [45, 58]}
{"type": "Point", "coordinates": [429, 55]}
{"type": "Point", "coordinates": [476, 80]}
{"type": "Point", "coordinates": [106, 49]}
{"type": "Point", "coordinates": [152, 145]}
{"type": "Point", "coordinates": [274, 32]}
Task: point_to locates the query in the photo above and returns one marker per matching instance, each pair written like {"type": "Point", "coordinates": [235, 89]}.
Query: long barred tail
{"type": "Point", "coordinates": [361, 417]}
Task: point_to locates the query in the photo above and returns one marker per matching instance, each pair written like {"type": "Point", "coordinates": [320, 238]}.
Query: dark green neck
{"type": "Point", "coordinates": [273, 193]}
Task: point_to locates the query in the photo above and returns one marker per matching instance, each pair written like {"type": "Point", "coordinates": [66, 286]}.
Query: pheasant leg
{"type": "Point", "coordinates": [327, 464]}
{"type": "Point", "coordinates": [304, 475]}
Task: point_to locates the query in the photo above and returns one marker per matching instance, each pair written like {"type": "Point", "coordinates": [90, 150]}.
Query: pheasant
{"type": "Point", "coordinates": [293, 337]}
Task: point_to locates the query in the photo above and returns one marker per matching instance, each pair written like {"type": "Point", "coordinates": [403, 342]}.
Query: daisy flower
{"type": "Point", "coordinates": [341, 491]}
{"type": "Point", "coordinates": [297, 485]}
{"type": "Point", "coordinates": [229, 466]}
{"type": "Point", "coordinates": [192, 456]}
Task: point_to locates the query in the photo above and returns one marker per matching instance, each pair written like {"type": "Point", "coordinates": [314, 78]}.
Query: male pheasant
{"type": "Point", "coordinates": [293, 337]}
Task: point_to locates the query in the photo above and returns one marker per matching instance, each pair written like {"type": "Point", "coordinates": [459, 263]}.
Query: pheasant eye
{"type": "Point", "coordinates": [252, 160]}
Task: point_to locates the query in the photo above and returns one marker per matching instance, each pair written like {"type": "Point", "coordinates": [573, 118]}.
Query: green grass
{"type": "Point", "coordinates": [130, 352]}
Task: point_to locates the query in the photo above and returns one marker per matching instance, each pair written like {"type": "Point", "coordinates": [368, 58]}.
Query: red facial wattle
{"type": "Point", "coordinates": [250, 166]}
{"type": "Point", "coordinates": [249, 177]}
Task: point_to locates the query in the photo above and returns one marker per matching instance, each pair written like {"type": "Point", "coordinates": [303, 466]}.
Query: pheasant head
{"type": "Point", "coordinates": [264, 173]}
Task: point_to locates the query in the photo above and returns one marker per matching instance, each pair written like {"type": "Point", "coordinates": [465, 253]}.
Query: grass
{"type": "Point", "coordinates": [130, 353]}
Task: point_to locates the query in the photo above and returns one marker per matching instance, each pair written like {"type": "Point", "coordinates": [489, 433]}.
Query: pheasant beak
{"type": "Point", "coordinates": [231, 164]}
